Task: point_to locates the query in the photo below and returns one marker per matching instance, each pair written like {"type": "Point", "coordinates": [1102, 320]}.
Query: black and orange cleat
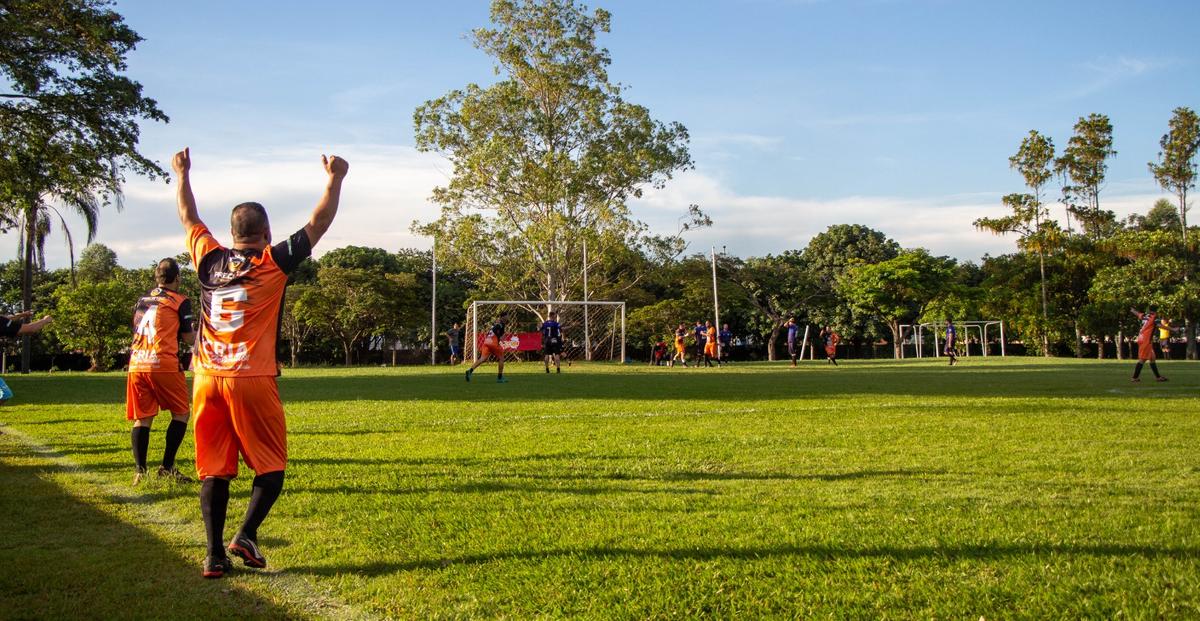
{"type": "Point", "coordinates": [217, 567]}
{"type": "Point", "coordinates": [246, 549]}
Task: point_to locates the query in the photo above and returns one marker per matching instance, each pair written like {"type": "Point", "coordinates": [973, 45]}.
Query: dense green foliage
{"type": "Point", "coordinates": [996, 489]}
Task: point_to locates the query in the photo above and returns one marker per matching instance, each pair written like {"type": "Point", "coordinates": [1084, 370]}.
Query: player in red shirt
{"type": "Point", "coordinates": [1145, 342]}
{"type": "Point", "coordinates": [238, 410]}
{"type": "Point", "coordinates": [155, 382]}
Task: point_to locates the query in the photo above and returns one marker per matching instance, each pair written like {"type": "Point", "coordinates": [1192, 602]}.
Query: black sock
{"type": "Point", "coordinates": [1154, 367]}
{"type": "Point", "coordinates": [139, 438]}
{"type": "Point", "coordinates": [266, 491]}
{"type": "Point", "coordinates": [175, 432]}
{"type": "Point", "coordinates": [214, 503]}
{"type": "Point", "coordinates": [1138, 369]}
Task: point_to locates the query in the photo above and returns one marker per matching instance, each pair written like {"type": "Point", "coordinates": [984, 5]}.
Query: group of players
{"type": "Point", "coordinates": [491, 347]}
{"type": "Point", "coordinates": [709, 345]}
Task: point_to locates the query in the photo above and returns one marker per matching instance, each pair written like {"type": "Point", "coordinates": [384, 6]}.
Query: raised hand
{"type": "Point", "coordinates": [335, 166]}
{"type": "Point", "coordinates": [182, 161]}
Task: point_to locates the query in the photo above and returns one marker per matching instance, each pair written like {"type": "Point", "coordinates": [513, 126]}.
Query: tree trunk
{"type": "Point", "coordinates": [1120, 345]}
{"type": "Point", "coordinates": [348, 347]}
{"type": "Point", "coordinates": [1045, 305]}
{"type": "Point", "coordinates": [1100, 347]}
{"type": "Point", "coordinates": [1189, 331]}
{"type": "Point", "coordinates": [27, 287]}
{"type": "Point", "coordinates": [771, 344]}
{"type": "Point", "coordinates": [1078, 341]}
{"type": "Point", "coordinates": [294, 352]}
{"type": "Point", "coordinates": [896, 345]}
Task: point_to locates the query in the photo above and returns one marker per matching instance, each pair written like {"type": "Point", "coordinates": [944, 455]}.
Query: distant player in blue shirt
{"type": "Point", "coordinates": [726, 338]}
{"type": "Point", "coordinates": [951, 342]}
{"type": "Point", "coordinates": [793, 331]}
{"type": "Point", "coordinates": [552, 341]}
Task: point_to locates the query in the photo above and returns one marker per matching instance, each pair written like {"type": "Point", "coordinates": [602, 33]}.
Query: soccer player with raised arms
{"type": "Point", "coordinates": [235, 394]}
{"type": "Point", "coordinates": [155, 382]}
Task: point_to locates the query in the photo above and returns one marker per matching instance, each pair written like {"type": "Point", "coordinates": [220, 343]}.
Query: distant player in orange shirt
{"type": "Point", "coordinates": [710, 344]}
{"type": "Point", "coordinates": [237, 400]}
{"type": "Point", "coordinates": [155, 381]}
{"type": "Point", "coordinates": [680, 346]}
{"type": "Point", "coordinates": [491, 348]}
{"type": "Point", "coordinates": [1145, 342]}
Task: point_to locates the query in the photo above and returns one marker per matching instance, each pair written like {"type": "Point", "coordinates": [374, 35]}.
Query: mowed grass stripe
{"type": "Point", "coordinates": [1017, 488]}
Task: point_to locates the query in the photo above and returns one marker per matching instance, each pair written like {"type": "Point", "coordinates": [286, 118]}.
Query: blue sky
{"type": "Point", "coordinates": [897, 114]}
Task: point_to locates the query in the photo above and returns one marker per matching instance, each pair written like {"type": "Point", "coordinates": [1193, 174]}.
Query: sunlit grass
{"type": "Point", "coordinates": [1017, 488]}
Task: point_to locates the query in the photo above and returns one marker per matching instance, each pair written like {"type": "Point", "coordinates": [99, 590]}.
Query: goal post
{"type": "Point", "coordinates": [592, 330]}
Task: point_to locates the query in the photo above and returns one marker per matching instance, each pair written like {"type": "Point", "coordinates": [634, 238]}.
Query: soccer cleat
{"type": "Point", "coordinates": [139, 475]}
{"type": "Point", "coordinates": [1160, 379]}
{"type": "Point", "coordinates": [469, 372]}
{"type": "Point", "coordinates": [245, 548]}
{"type": "Point", "coordinates": [558, 369]}
{"type": "Point", "coordinates": [217, 567]}
{"type": "Point", "coordinates": [1134, 379]}
{"type": "Point", "coordinates": [547, 370]}
{"type": "Point", "coordinates": [173, 474]}
{"type": "Point", "coordinates": [501, 380]}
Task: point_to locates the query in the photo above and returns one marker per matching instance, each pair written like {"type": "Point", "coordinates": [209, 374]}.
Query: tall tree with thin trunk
{"type": "Point", "coordinates": [1030, 219]}
{"type": "Point", "coordinates": [1084, 164]}
{"type": "Point", "coordinates": [1175, 171]}
{"type": "Point", "coordinates": [69, 121]}
{"type": "Point", "coordinates": [545, 159]}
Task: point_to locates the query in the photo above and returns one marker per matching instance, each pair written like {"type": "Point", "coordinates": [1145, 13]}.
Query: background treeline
{"type": "Point", "coordinates": [359, 305]}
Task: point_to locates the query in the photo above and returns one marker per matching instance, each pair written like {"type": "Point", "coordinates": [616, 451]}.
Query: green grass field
{"type": "Point", "coordinates": [1019, 488]}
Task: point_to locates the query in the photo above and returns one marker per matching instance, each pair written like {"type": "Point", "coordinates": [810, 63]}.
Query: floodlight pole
{"type": "Point", "coordinates": [474, 331]}
{"type": "Point", "coordinates": [433, 310]}
{"type": "Point", "coordinates": [1002, 353]}
{"type": "Point", "coordinates": [587, 327]}
{"type": "Point", "coordinates": [716, 305]}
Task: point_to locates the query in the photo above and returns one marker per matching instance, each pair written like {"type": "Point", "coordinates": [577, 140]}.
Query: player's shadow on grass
{"type": "Point", "coordinates": [962, 552]}
{"type": "Point", "coordinates": [74, 560]}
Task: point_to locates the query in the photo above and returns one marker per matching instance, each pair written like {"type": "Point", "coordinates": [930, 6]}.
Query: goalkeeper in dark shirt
{"type": "Point", "coordinates": [552, 342]}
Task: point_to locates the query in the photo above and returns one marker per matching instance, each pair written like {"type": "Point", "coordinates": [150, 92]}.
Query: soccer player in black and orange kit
{"type": "Point", "coordinates": [155, 381]}
{"type": "Point", "coordinates": [491, 348]}
{"type": "Point", "coordinates": [236, 398]}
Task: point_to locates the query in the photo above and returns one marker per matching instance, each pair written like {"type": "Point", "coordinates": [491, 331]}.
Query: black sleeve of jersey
{"type": "Point", "coordinates": [288, 254]}
{"type": "Point", "coordinates": [9, 327]}
{"type": "Point", "coordinates": [185, 317]}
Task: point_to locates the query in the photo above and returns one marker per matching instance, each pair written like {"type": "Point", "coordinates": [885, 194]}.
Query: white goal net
{"type": "Point", "coordinates": [590, 330]}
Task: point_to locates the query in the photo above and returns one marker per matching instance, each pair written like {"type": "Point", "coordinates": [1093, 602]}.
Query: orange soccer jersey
{"type": "Point", "coordinates": [1145, 338]}
{"type": "Point", "coordinates": [710, 345]}
{"type": "Point", "coordinates": [241, 300]}
{"type": "Point", "coordinates": [159, 318]}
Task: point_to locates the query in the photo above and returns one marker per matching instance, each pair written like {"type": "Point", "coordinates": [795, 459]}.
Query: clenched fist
{"type": "Point", "coordinates": [335, 166]}
{"type": "Point", "coordinates": [182, 161]}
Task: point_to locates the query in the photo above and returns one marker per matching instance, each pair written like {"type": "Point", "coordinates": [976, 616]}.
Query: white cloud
{"type": "Point", "coordinates": [759, 224]}
{"type": "Point", "coordinates": [388, 187]}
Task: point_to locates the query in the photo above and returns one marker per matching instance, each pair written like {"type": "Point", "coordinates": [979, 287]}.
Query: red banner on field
{"type": "Point", "coordinates": [519, 341]}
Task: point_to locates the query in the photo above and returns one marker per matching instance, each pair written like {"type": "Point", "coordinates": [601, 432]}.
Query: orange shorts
{"type": "Point", "coordinates": [493, 350]}
{"type": "Point", "coordinates": [680, 348]}
{"type": "Point", "coordinates": [1146, 351]}
{"type": "Point", "coordinates": [238, 415]}
{"type": "Point", "coordinates": [147, 393]}
{"type": "Point", "coordinates": [710, 349]}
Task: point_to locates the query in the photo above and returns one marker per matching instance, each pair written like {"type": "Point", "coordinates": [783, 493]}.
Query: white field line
{"type": "Point", "coordinates": [81, 482]}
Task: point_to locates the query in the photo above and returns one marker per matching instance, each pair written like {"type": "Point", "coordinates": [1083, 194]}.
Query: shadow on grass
{"type": "Point", "coordinates": [73, 560]}
{"type": "Point", "coordinates": [758, 383]}
{"type": "Point", "coordinates": [821, 552]}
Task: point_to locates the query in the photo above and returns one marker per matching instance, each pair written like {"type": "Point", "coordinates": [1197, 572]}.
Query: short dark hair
{"type": "Point", "coordinates": [1154, 308]}
{"type": "Point", "coordinates": [166, 271]}
{"type": "Point", "coordinates": [249, 220]}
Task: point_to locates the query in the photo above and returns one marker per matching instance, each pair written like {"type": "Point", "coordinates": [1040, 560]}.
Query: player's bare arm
{"type": "Point", "coordinates": [322, 216]}
{"type": "Point", "coordinates": [188, 215]}
{"type": "Point", "coordinates": [36, 326]}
